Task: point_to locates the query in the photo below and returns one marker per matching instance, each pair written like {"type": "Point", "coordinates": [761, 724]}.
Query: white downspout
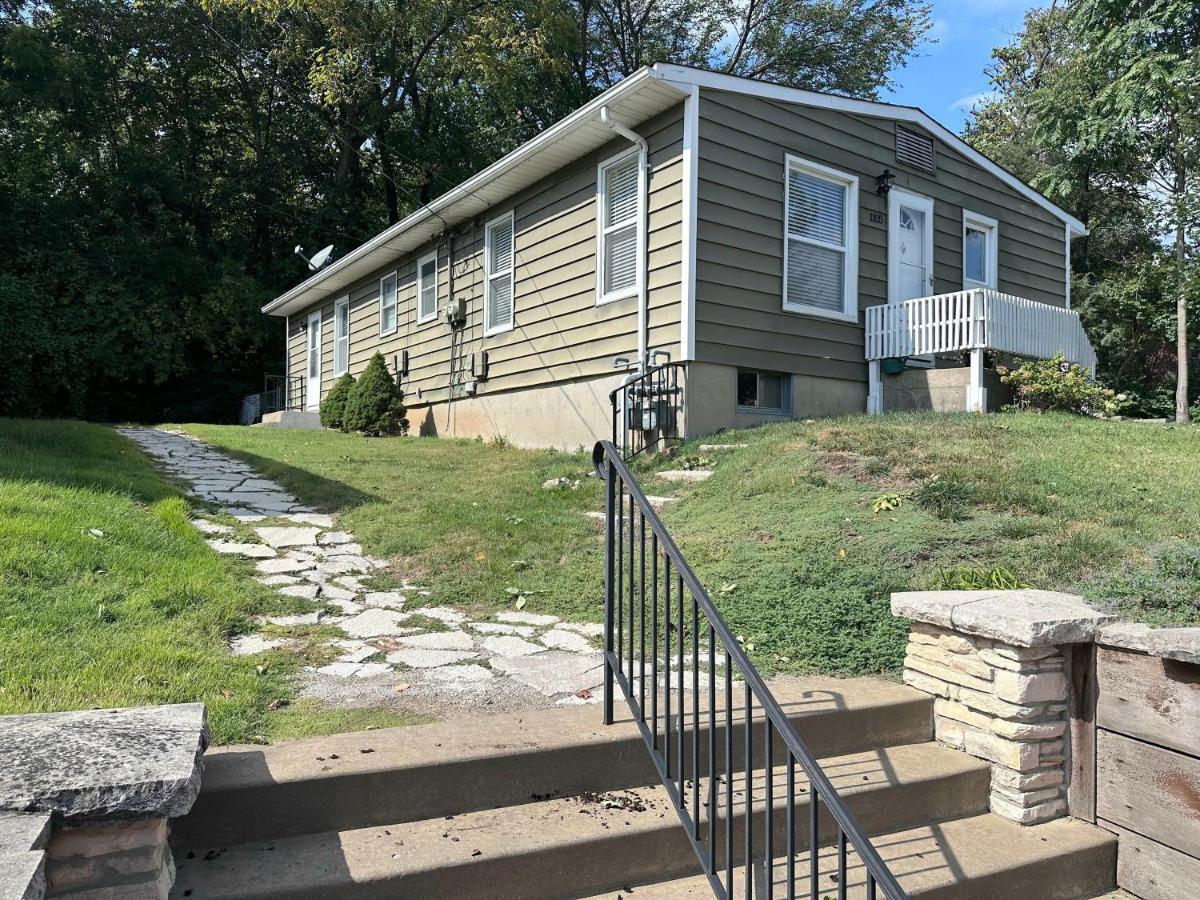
{"type": "Point", "coordinates": [643, 229]}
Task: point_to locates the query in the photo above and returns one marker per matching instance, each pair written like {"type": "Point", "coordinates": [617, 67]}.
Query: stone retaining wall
{"type": "Point", "coordinates": [997, 662]}
{"type": "Point", "coordinates": [1002, 703]}
{"type": "Point", "coordinates": [106, 782]}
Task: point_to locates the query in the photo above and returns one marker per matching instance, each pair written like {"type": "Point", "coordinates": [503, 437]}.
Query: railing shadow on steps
{"type": "Point", "coordinates": [651, 593]}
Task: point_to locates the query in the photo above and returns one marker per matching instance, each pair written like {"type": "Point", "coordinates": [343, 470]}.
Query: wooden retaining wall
{"type": "Point", "coordinates": [1136, 765]}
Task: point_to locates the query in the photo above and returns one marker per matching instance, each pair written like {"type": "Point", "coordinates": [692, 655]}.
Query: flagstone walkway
{"type": "Point", "coordinates": [392, 643]}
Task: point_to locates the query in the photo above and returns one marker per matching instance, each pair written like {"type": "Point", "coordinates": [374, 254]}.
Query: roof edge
{"type": "Point", "coordinates": [465, 188]}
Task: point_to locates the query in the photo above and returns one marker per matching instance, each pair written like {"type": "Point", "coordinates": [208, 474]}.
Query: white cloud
{"type": "Point", "coordinates": [970, 101]}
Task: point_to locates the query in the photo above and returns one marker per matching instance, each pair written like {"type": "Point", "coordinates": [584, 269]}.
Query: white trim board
{"type": "Point", "coordinates": [691, 193]}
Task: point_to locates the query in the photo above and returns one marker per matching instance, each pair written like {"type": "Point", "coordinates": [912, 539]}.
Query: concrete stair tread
{"type": "Point", "coordinates": [977, 856]}
{"type": "Point", "coordinates": [577, 843]}
{"type": "Point", "coordinates": [332, 783]}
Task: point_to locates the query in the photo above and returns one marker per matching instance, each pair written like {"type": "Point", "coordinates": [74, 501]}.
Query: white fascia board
{"type": "Point", "coordinates": [910, 114]}
{"type": "Point", "coordinates": [468, 188]}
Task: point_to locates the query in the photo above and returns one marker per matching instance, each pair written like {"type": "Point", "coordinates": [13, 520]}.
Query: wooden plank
{"type": "Point", "coordinates": [1081, 792]}
{"type": "Point", "coordinates": [1151, 870]}
{"type": "Point", "coordinates": [1149, 789]}
{"type": "Point", "coordinates": [1155, 699]}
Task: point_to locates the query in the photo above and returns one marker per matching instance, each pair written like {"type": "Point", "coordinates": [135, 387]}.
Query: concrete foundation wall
{"type": "Point", "coordinates": [710, 400]}
{"type": "Point", "coordinates": [567, 415]}
{"type": "Point", "coordinates": [939, 390]}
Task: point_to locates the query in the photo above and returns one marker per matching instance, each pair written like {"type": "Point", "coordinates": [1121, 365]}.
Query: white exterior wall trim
{"type": "Point", "coordinates": [691, 193]}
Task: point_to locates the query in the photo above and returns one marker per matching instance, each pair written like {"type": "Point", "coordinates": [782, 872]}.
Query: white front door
{"type": "Point", "coordinates": [312, 387]}
{"type": "Point", "coordinates": [910, 250]}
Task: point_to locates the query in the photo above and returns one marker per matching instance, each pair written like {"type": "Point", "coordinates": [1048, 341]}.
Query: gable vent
{"type": "Point", "coordinates": [914, 149]}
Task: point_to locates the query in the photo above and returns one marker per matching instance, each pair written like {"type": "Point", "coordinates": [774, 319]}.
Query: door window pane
{"type": "Point", "coordinates": [975, 255]}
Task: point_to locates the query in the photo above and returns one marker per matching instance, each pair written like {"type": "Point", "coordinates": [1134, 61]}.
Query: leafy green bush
{"type": "Point", "coordinates": [375, 405]}
{"type": "Point", "coordinates": [947, 498]}
{"type": "Point", "coordinates": [333, 407]}
{"type": "Point", "coordinates": [1046, 385]}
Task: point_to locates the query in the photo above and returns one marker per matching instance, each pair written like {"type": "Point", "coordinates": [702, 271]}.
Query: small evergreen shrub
{"type": "Point", "coordinates": [333, 407]}
{"type": "Point", "coordinates": [375, 405]}
{"type": "Point", "coordinates": [1055, 385]}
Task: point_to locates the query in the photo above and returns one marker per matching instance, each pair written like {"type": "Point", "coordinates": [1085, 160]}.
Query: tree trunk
{"type": "Point", "coordinates": [1182, 414]}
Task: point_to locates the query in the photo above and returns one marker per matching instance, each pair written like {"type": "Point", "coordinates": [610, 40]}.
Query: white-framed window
{"type": "Point", "coordinates": [820, 241]}
{"type": "Point", "coordinates": [619, 227]}
{"type": "Point", "coordinates": [499, 264]}
{"type": "Point", "coordinates": [427, 287]}
{"type": "Point", "coordinates": [341, 337]}
{"type": "Point", "coordinates": [981, 234]}
{"type": "Point", "coordinates": [763, 391]}
{"type": "Point", "coordinates": [388, 287]}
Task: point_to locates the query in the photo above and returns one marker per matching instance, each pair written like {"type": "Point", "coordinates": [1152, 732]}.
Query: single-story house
{"type": "Point", "coordinates": [782, 252]}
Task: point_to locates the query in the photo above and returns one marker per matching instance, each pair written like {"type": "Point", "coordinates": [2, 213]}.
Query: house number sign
{"type": "Point", "coordinates": [877, 218]}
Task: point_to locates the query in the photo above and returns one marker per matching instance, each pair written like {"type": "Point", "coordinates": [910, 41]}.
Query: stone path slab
{"type": "Point", "coordinates": [390, 641]}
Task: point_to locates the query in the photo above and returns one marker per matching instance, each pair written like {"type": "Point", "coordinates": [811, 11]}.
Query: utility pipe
{"type": "Point", "coordinates": [643, 229]}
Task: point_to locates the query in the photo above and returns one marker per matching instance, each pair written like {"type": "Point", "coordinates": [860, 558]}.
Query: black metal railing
{"type": "Point", "coordinates": [659, 617]}
{"type": "Point", "coordinates": [645, 409]}
{"type": "Point", "coordinates": [279, 392]}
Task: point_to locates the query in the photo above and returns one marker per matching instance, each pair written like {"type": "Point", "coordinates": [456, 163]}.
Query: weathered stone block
{"type": "Point", "coordinates": [1032, 815]}
{"type": "Point", "coordinates": [950, 733]}
{"type": "Point", "coordinates": [1022, 688]}
{"type": "Point", "coordinates": [960, 712]}
{"type": "Point", "coordinates": [999, 661]}
{"type": "Point", "coordinates": [947, 674]}
{"type": "Point", "coordinates": [923, 682]}
{"type": "Point", "coordinates": [1001, 709]}
{"type": "Point", "coordinates": [1024, 618]}
{"type": "Point", "coordinates": [930, 634]}
{"type": "Point", "coordinates": [102, 838]}
{"type": "Point", "coordinates": [966, 663]}
{"type": "Point", "coordinates": [1019, 755]}
{"type": "Point", "coordinates": [1028, 731]}
{"type": "Point", "coordinates": [103, 763]}
{"type": "Point", "coordinates": [1011, 780]}
{"type": "Point", "coordinates": [1026, 798]}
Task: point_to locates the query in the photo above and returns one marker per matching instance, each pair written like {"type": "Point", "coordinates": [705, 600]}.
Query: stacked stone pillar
{"type": "Point", "coordinates": [995, 661]}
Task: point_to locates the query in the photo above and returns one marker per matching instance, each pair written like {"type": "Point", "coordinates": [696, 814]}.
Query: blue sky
{"type": "Point", "coordinates": [949, 74]}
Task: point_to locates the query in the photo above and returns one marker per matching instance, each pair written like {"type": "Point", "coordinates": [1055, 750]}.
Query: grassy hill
{"type": "Point", "coordinates": [108, 597]}
{"type": "Point", "coordinates": [1107, 509]}
{"type": "Point", "coordinates": [785, 534]}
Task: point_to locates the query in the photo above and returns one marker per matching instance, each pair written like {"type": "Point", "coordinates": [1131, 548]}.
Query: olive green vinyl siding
{"type": "Point", "coordinates": [559, 331]}
{"type": "Point", "coordinates": [739, 240]}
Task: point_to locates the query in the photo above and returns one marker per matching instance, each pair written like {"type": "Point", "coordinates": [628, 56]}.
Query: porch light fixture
{"type": "Point", "coordinates": [883, 183]}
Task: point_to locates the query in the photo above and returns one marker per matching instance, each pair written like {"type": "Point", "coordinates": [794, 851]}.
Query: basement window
{"type": "Point", "coordinates": [763, 391]}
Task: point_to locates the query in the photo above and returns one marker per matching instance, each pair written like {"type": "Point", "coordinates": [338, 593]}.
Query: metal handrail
{"type": "Point", "coordinates": [654, 393]}
{"type": "Point", "coordinates": [621, 547]}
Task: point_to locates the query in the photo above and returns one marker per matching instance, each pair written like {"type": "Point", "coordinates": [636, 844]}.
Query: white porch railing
{"type": "Point", "coordinates": [973, 320]}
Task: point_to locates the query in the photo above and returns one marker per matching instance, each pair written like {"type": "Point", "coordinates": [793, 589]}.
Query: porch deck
{"type": "Point", "coordinates": [971, 321]}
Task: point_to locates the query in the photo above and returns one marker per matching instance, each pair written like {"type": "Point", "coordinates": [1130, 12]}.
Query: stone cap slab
{"type": "Point", "coordinates": [1023, 618]}
{"type": "Point", "coordinates": [1181, 644]}
{"type": "Point", "coordinates": [142, 762]}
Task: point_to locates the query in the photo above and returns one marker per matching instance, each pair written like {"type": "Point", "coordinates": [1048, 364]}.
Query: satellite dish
{"type": "Point", "coordinates": [319, 258]}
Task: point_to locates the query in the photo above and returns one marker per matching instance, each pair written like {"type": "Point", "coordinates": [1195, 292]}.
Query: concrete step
{"type": "Point", "coordinates": [569, 846]}
{"type": "Point", "coordinates": [965, 859]}
{"type": "Point", "coordinates": [350, 781]}
{"type": "Point", "coordinates": [684, 475]}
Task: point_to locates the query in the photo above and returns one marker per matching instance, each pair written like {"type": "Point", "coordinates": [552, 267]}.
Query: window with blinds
{"type": "Point", "coordinates": [498, 307]}
{"type": "Point", "coordinates": [620, 218]}
{"type": "Point", "coordinates": [341, 336]}
{"type": "Point", "coordinates": [820, 241]}
{"type": "Point", "coordinates": [427, 288]}
{"type": "Point", "coordinates": [387, 304]}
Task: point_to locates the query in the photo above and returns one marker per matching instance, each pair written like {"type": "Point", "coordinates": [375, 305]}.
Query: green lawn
{"type": "Point", "coordinates": [1108, 509]}
{"type": "Point", "coordinates": [471, 520]}
{"type": "Point", "coordinates": [784, 534]}
{"type": "Point", "coordinates": [108, 597]}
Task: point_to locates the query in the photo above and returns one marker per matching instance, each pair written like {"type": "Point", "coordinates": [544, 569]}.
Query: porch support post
{"type": "Point", "coordinates": [874, 388]}
{"type": "Point", "coordinates": [976, 392]}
